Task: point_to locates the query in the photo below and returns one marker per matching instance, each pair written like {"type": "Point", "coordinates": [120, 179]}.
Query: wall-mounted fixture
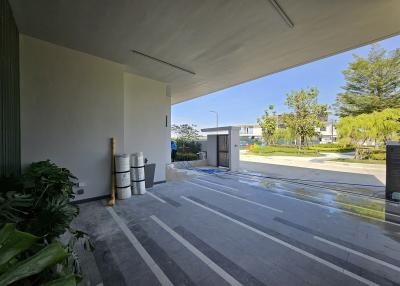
{"type": "Point", "coordinates": [163, 62]}
{"type": "Point", "coordinates": [282, 13]}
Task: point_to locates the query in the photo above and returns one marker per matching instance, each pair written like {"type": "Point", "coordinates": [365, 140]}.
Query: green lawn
{"type": "Point", "coordinates": [282, 151]}
{"type": "Point", "coordinates": [359, 161]}
{"type": "Point", "coordinates": [331, 149]}
{"type": "Point", "coordinates": [286, 154]}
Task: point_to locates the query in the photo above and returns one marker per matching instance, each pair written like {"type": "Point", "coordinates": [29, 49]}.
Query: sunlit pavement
{"type": "Point", "coordinates": [241, 229]}
{"type": "Point", "coordinates": [315, 168]}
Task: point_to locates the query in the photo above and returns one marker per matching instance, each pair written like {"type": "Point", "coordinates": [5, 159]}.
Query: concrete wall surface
{"type": "Point", "coordinates": [234, 149]}
{"type": "Point", "coordinates": [212, 150]}
{"type": "Point", "coordinates": [72, 103]}
{"type": "Point", "coordinates": [147, 107]}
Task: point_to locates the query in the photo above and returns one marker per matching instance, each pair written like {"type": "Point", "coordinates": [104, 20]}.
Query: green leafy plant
{"type": "Point", "coordinates": [40, 203]}
{"type": "Point", "coordinates": [21, 263]}
{"type": "Point", "coordinates": [45, 179]}
{"type": "Point", "coordinates": [14, 204]}
{"type": "Point", "coordinates": [14, 207]}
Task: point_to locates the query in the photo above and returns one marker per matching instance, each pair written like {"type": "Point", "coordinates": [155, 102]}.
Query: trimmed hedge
{"type": "Point", "coordinates": [366, 153]}
{"type": "Point", "coordinates": [185, 156]}
{"type": "Point", "coordinates": [331, 147]}
{"type": "Point", "coordinates": [188, 147]}
{"type": "Point", "coordinates": [280, 149]}
{"type": "Point", "coordinates": [378, 156]}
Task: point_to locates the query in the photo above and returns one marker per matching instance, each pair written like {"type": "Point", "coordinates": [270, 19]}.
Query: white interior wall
{"type": "Point", "coordinates": [72, 103]}
{"type": "Point", "coordinates": [147, 107]}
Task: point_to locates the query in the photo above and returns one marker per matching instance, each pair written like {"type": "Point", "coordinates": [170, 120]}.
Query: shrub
{"type": "Point", "coordinates": [51, 189]}
{"type": "Point", "coordinates": [39, 203]}
{"type": "Point", "coordinates": [188, 146]}
{"type": "Point", "coordinates": [185, 156]}
{"type": "Point", "coordinates": [280, 149]}
{"type": "Point", "coordinates": [366, 153]}
{"type": "Point", "coordinates": [332, 147]}
{"type": "Point", "coordinates": [378, 156]}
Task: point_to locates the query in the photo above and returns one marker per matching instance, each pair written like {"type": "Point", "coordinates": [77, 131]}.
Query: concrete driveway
{"type": "Point", "coordinates": [230, 229]}
{"type": "Point", "coordinates": [316, 168]}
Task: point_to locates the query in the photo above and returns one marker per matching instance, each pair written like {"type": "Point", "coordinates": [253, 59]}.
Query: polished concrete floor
{"type": "Point", "coordinates": [237, 229]}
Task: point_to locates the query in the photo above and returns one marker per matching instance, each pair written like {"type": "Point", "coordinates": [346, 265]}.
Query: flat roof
{"type": "Point", "coordinates": [222, 128]}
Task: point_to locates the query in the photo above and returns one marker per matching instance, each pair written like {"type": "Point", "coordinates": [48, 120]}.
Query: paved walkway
{"type": "Point", "coordinates": [315, 168]}
{"type": "Point", "coordinates": [229, 229]}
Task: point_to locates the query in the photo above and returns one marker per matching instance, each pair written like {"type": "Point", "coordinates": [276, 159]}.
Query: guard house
{"type": "Point", "coordinates": [223, 147]}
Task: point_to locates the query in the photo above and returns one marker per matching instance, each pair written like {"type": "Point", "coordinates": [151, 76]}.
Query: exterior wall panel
{"type": "Point", "coordinates": [147, 127]}
{"type": "Point", "coordinates": [10, 150]}
{"type": "Point", "coordinates": [72, 103]}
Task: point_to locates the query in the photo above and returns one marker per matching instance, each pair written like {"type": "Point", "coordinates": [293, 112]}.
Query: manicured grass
{"type": "Point", "coordinates": [282, 151]}
{"type": "Point", "coordinates": [359, 161]}
{"type": "Point", "coordinates": [332, 148]}
{"type": "Point", "coordinates": [286, 154]}
{"type": "Point", "coordinates": [290, 150]}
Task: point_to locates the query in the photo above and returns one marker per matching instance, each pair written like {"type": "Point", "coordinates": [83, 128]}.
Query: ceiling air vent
{"type": "Point", "coordinates": [163, 62]}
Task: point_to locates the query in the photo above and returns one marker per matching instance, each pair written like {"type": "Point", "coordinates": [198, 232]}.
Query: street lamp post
{"type": "Point", "coordinates": [216, 113]}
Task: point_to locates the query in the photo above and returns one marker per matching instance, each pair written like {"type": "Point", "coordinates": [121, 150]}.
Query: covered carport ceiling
{"type": "Point", "coordinates": [224, 42]}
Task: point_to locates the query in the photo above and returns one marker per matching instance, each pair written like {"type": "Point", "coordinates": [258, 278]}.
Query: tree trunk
{"type": "Point", "coordinates": [302, 139]}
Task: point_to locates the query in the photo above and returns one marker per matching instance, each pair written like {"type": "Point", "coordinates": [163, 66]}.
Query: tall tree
{"type": "Point", "coordinates": [306, 113]}
{"type": "Point", "coordinates": [268, 124]}
{"type": "Point", "coordinates": [379, 127]}
{"type": "Point", "coordinates": [187, 137]}
{"type": "Point", "coordinates": [186, 132]}
{"type": "Point", "coordinates": [372, 83]}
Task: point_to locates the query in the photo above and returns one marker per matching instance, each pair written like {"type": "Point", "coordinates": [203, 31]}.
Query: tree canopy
{"type": "Point", "coordinates": [376, 127]}
{"type": "Point", "coordinates": [306, 113]}
{"type": "Point", "coordinates": [268, 124]}
{"type": "Point", "coordinates": [372, 83]}
{"type": "Point", "coordinates": [186, 132]}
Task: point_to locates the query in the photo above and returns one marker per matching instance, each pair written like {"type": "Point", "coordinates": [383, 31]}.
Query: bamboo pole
{"type": "Point", "coordinates": [111, 202]}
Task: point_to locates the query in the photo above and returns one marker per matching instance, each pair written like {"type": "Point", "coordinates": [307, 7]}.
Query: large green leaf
{"type": "Point", "coordinates": [14, 206]}
{"type": "Point", "coordinates": [46, 257]}
{"type": "Point", "coordinates": [15, 242]}
{"type": "Point", "coordinates": [68, 280]}
{"type": "Point", "coordinates": [6, 231]}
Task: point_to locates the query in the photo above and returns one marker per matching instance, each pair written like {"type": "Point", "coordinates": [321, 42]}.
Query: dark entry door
{"type": "Point", "coordinates": [223, 150]}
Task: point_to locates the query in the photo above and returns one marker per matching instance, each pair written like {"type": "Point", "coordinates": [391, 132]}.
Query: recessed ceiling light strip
{"type": "Point", "coordinates": [163, 62]}
{"type": "Point", "coordinates": [279, 9]}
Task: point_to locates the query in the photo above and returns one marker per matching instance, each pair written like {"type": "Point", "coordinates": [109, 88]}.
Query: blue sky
{"type": "Point", "coordinates": [242, 103]}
